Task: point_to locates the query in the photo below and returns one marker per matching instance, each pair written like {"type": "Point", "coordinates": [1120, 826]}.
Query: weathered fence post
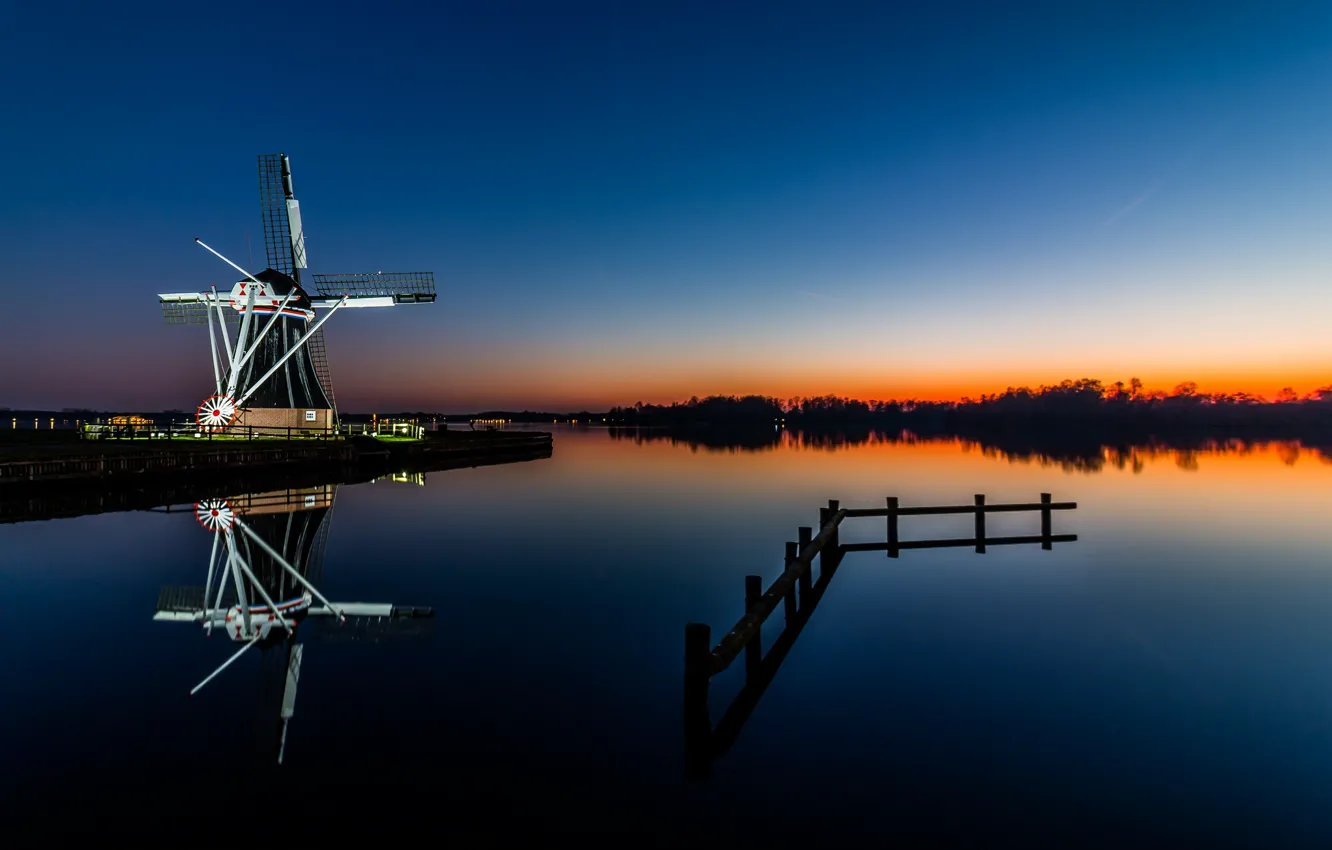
{"type": "Point", "coordinates": [823, 556]}
{"type": "Point", "coordinates": [1046, 543]}
{"type": "Point", "coordinates": [753, 649]}
{"type": "Point", "coordinates": [806, 576]}
{"type": "Point", "coordinates": [791, 605]}
{"type": "Point", "coordinates": [698, 673]}
{"type": "Point", "coordinates": [892, 526]}
{"type": "Point", "coordinates": [829, 555]}
{"type": "Point", "coordinates": [980, 524]}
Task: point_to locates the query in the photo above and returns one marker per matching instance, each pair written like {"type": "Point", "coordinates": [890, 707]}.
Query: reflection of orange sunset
{"type": "Point", "coordinates": [792, 461]}
{"type": "Point", "coordinates": [1228, 492]}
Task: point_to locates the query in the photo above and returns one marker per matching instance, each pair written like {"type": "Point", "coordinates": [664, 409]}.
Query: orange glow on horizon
{"type": "Point", "coordinates": [522, 380]}
{"type": "Point", "coordinates": [1266, 387]}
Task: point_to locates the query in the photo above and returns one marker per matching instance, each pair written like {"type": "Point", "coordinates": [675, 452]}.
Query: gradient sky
{"type": "Point", "coordinates": [645, 201]}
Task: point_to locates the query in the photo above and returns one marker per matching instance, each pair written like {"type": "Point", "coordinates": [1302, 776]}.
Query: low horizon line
{"type": "Point", "coordinates": [962, 398]}
{"type": "Point", "coordinates": [1106, 391]}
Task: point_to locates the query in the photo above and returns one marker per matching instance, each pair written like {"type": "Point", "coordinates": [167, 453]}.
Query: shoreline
{"type": "Point", "coordinates": [94, 480]}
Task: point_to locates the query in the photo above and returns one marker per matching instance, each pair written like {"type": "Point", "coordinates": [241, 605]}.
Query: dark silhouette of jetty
{"type": "Point", "coordinates": [799, 595]}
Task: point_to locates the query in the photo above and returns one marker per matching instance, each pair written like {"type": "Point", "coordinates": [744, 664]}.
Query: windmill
{"type": "Point", "coordinates": [267, 552]}
{"type": "Point", "coordinates": [275, 373]}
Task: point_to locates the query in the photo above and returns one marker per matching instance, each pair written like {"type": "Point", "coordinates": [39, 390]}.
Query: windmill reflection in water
{"type": "Point", "coordinates": [266, 555]}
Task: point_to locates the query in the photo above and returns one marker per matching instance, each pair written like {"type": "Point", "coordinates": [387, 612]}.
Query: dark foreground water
{"type": "Point", "coordinates": [1166, 680]}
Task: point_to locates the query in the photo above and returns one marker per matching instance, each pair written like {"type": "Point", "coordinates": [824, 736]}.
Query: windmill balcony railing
{"type": "Point", "coordinates": [193, 431]}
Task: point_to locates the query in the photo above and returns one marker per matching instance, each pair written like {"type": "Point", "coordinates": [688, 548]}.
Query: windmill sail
{"type": "Point", "coordinates": [275, 193]}
{"type": "Point", "coordinates": [193, 308]}
{"type": "Point", "coordinates": [297, 384]}
{"type": "Point", "coordinates": [319, 359]}
{"type": "Point", "coordinates": [402, 287]}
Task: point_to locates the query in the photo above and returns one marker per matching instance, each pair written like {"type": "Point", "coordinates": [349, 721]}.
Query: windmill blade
{"type": "Point", "coordinates": [191, 308]}
{"type": "Point", "coordinates": [367, 629]}
{"type": "Point", "coordinates": [371, 622]}
{"type": "Point", "coordinates": [180, 600]}
{"type": "Point", "coordinates": [319, 360]}
{"type": "Point", "coordinates": [284, 240]}
{"type": "Point", "coordinates": [402, 287]}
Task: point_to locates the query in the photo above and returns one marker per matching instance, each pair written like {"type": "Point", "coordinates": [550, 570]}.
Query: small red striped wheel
{"type": "Point", "coordinates": [214, 514]}
{"type": "Point", "coordinates": [216, 412]}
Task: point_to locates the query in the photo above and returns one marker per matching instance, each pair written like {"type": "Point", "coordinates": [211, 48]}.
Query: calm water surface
{"type": "Point", "coordinates": [1167, 678]}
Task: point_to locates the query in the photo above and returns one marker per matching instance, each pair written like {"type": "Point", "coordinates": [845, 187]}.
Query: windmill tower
{"type": "Point", "coordinates": [276, 372]}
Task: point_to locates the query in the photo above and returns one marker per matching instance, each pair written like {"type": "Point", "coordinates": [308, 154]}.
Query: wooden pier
{"type": "Point", "coordinates": [798, 595]}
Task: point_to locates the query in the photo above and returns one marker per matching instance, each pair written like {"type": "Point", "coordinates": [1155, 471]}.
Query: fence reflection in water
{"type": "Point", "coordinates": [799, 594]}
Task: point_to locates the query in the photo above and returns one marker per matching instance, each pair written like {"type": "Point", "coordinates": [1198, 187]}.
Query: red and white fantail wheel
{"type": "Point", "coordinates": [214, 514]}
{"type": "Point", "coordinates": [216, 412]}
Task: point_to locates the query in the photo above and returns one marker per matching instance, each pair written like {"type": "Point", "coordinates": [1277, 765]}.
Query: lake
{"type": "Point", "coordinates": [1164, 680]}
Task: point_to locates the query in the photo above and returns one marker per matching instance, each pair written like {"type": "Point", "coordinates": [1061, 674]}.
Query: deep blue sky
{"type": "Point", "coordinates": [644, 201]}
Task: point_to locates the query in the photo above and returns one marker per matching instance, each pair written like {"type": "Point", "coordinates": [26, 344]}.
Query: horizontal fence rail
{"type": "Point", "coordinates": [935, 510]}
{"type": "Point", "coordinates": [796, 592]}
{"type": "Point", "coordinates": [193, 431]}
{"type": "Point", "coordinates": [961, 541]}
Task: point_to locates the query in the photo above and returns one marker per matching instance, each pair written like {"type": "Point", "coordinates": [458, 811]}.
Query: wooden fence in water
{"type": "Point", "coordinates": [797, 592]}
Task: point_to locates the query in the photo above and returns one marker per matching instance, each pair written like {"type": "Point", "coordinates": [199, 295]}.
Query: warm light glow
{"type": "Point", "coordinates": [569, 382]}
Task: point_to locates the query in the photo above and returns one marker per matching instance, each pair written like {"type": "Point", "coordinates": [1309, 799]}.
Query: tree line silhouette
{"type": "Point", "coordinates": [1121, 407]}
